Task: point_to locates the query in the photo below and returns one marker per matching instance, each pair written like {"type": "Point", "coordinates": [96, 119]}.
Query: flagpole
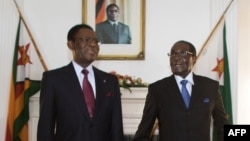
{"type": "Point", "coordinates": [31, 37]}
{"type": "Point", "coordinates": [217, 24]}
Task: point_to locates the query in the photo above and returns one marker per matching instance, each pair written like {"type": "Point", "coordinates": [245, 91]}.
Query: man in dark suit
{"type": "Point", "coordinates": [64, 112]}
{"type": "Point", "coordinates": [177, 120]}
{"type": "Point", "coordinates": [111, 31]}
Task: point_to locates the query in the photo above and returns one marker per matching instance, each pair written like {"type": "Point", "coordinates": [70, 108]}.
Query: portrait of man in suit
{"type": "Point", "coordinates": [112, 31]}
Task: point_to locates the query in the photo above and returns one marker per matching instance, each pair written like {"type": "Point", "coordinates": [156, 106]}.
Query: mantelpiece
{"type": "Point", "coordinates": [132, 108]}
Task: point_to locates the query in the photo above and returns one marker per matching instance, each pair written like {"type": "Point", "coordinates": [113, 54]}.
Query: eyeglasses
{"type": "Point", "coordinates": [113, 11]}
{"type": "Point", "coordinates": [183, 53]}
{"type": "Point", "coordinates": [88, 40]}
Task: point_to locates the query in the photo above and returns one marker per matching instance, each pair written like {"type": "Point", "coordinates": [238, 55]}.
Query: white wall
{"type": "Point", "coordinates": [243, 95]}
{"type": "Point", "coordinates": [166, 22]}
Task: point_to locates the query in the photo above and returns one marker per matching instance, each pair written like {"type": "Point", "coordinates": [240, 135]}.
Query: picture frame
{"type": "Point", "coordinates": [131, 13]}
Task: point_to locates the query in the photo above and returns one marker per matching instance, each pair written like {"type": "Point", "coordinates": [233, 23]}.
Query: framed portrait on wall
{"type": "Point", "coordinates": [119, 25]}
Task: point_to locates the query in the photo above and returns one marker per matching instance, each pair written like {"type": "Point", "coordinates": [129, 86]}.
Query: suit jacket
{"type": "Point", "coordinates": [107, 35]}
{"type": "Point", "coordinates": [63, 112]}
{"type": "Point", "coordinates": [177, 123]}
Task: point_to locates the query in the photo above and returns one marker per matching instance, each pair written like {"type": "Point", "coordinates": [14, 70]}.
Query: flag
{"type": "Point", "coordinates": [100, 11]}
{"type": "Point", "coordinates": [25, 82]}
{"type": "Point", "coordinates": [213, 62]}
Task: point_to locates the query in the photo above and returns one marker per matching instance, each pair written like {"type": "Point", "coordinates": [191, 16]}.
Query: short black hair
{"type": "Point", "coordinates": [112, 5]}
{"type": "Point", "coordinates": [191, 46]}
{"type": "Point", "coordinates": [74, 30]}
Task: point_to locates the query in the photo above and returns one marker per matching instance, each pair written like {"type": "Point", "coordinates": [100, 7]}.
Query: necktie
{"type": "Point", "coordinates": [184, 92]}
{"type": "Point", "coordinates": [88, 93]}
{"type": "Point", "coordinates": [115, 28]}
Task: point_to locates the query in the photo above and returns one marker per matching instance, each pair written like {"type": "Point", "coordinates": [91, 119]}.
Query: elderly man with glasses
{"type": "Point", "coordinates": [183, 103]}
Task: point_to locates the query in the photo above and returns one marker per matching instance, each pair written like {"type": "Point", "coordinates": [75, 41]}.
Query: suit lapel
{"type": "Point", "coordinates": [113, 35]}
{"type": "Point", "coordinates": [100, 82]}
{"type": "Point", "coordinates": [174, 93]}
{"type": "Point", "coordinates": [197, 91]}
{"type": "Point", "coordinates": [76, 89]}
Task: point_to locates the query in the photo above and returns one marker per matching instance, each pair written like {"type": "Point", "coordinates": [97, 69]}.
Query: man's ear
{"type": "Point", "coordinates": [194, 59]}
{"type": "Point", "coordinates": [70, 45]}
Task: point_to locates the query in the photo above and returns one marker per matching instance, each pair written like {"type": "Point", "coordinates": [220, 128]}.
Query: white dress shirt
{"type": "Point", "coordinates": [80, 75]}
{"type": "Point", "coordinates": [190, 80]}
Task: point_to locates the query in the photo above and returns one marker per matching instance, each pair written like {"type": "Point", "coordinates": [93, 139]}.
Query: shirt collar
{"type": "Point", "coordinates": [79, 68]}
{"type": "Point", "coordinates": [116, 22]}
{"type": "Point", "coordinates": [189, 78]}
